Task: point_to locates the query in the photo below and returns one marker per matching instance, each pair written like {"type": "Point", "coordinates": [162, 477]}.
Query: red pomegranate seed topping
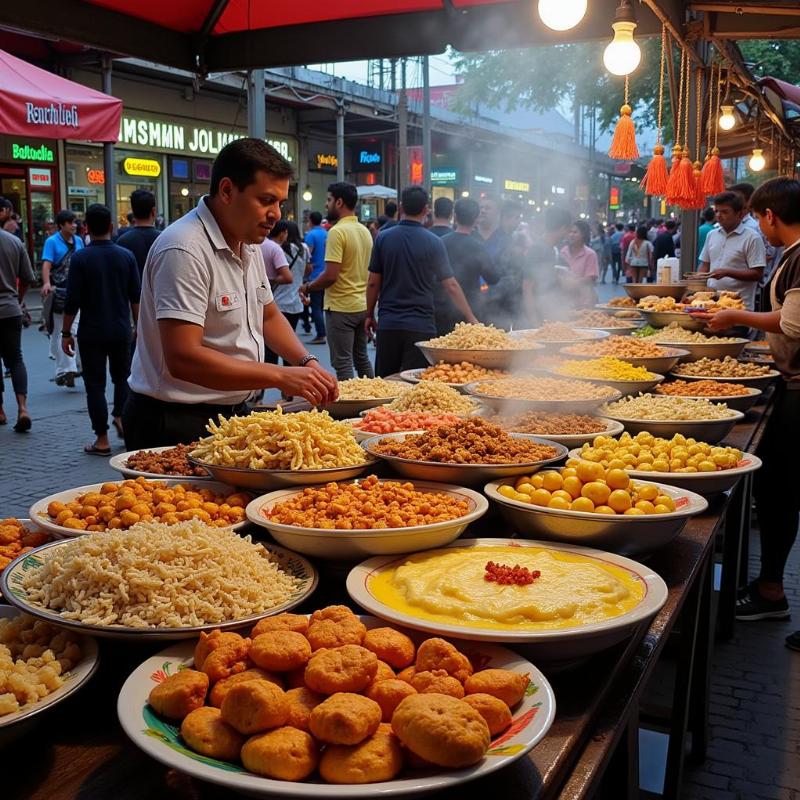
{"type": "Point", "coordinates": [507, 576]}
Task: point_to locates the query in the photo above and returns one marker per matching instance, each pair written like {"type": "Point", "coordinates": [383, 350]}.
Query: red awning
{"type": "Point", "coordinates": [34, 102]}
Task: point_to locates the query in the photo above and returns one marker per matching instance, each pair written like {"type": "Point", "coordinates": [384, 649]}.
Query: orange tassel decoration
{"type": "Point", "coordinates": [699, 201]}
{"type": "Point", "coordinates": [713, 177]}
{"type": "Point", "coordinates": [623, 145]}
{"type": "Point", "coordinates": [684, 184]}
{"type": "Point", "coordinates": [672, 180]}
{"type": "Point", "coordinates": [655, 179]}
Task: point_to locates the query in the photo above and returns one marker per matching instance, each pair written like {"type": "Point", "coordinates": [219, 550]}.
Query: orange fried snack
{"type": "Point", "coordinates": [389, 694]}
{"type": "Point", "coordinates": [437, 653]}
{"type": "Point", "coordinates": [437, 681]}
{"type": "Point", "coordinates": [286, 754]}
{"type": "Point", "coordinates": [255, 706]}
{"type": "Point", "coordinates": [391, 646]}
{"type": "Point", "coordinates": [302, 702]}
{"type": "Point", "coordinates": [222, 687]}
{"type": "Point", "coordinates": [496, 713]}
{"type": "Point", "coordinates": [281, 622]}
{"type": "Point", "coordinates": [208, 642]}
{"type": "Point", "coordinates": [205, 732]}
{"type": "Point", "coordinates": [179, 694]}
{"type": "Point", "coordinates": [500, 683]}
{"type": "Point", "coordinates": [350, 668]}
{"type": "Point", "coordinates": [345, 718]}
{"type": "Point", "coordinates": [378, 758]}
{"type": "Point", "coordinates": [280, 651]}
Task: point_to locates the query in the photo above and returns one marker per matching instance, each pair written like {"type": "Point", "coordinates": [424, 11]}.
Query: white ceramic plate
{"type": "Point", "coordinates": [38, 511]}
{"type": "Point", "coordinates": [73, 680]}
{"type": "Point", "coordinates": [532, 718]}
{"type": "Point", "coordinates": [119, 463]}
{"type": "Point", "coordinates": [13, 590]}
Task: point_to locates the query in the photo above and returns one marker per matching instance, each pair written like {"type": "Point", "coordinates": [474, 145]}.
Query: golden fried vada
{"type": "Point", "coordinates": [383, 673]}
{"type": "Point", "coordinates": [179, 694]}
{"type": "Point", "coordinates": [335, 633]}
{"type": "Point", "coordinates": [496, 713]}
{"type": "Point", "coordinates": [500, 683]}
{"type": "Point", "coordinates": [388, 694]}
{"type": "Point", "coordinates": [391, 646]}
{"type": "Point", "coordinates": [442, 730]}
{"type": "Point", "coordinates": [255, 706]}
{"type": "Point", "coordinates": [302, 701]}
{"type": "Point", "coordinates": [333, 613]}
{"type": "Point", "coordinates": [439, 654]}
{"type": "Point", "coordinates": [227, 660]}
{"type": "Point", "coordinates": [280, 651]}
{"type": "Point", "coordinates": [281, 622]}
{"type": "Point", "coordinates": [437, 681]}
{"type": "Point", "coordinates": [208, 642]}
{"type": "Point", "coordinates": [286, 754]}
{"type": "Point", "coordinates": [406, 674]}
{"type": "Point", "coordinates": [205, 732]}
{"type": "Point", "coordinates": [221, 688]}
{"type": "Point", "coordinates": [378, 758]}
{"type": "Point", "coordinates": [344, 718]}
{"type": "Point", "coordinates": [350, 668]}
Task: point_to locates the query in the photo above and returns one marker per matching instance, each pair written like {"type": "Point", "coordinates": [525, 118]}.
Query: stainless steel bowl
{"type": "Point", "coordinates": [613, 310]}
{"type": "Point", "coordinates": [636, 291]}
{"type": "Point", "coordinates": [704, 430]}
{"type": "Point", "coordinates": [625, 388]}
{"type": "Point", "coordinates": [627, 535]}
{"type": "Point", "coordinates": [613, 428]}
{"type": "Point", "coordinates": [413, 376]}
{"type": "Point", "coordinates": [658, 364]}
{"type": "Point", "coordinates": [620, 330]}
{"type": "Point", "coordinates": [660, 319]}
{"type": "Point", "coordinates": [462, 474]}
{"type": "Point", "coordinates": [756, 382]}
{"type": "Point", "coordinates": [698, 350]}
{"type": "Point", "coordinates": [264, 480]}
{"type": "Point", "coordinates": [696, 282]}
{"type": "Point", "coordinates": [743, 402]}
{"type": "Point", "coordinates": [587, 335]}
{"type": "Point", "coordinates": [489, 359]}
{"type": "Point", "coordinates": [521, 405]}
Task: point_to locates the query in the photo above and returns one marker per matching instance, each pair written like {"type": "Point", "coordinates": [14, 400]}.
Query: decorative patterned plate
{"type": "Point", "coordinates": [161, 739]}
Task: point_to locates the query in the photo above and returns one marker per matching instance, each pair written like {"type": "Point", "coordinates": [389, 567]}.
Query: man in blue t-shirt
{"type": "Point", "coordinates": [56, 257]}
{"type": "Point", "coordinates": [406, 264]}
{"type": "Point", "coordinates": [316, 237]}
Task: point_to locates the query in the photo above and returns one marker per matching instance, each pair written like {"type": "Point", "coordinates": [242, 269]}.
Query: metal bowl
{"type": "Point", "coordinates": [588, 335]}
{"type": "Point", "coordinates": [413, 376]}
{"type": "Point", "coordinates": [627, 535]}
{"type": "Point", "coordinates": [263, 480]}
{"type": "Point", "coordinates": [756, 382]}
{"type": "Point", "coordinates": [345, 409]}
{"type": "Point", "coordinates": [698, 350]}
{"type": "Point", "coordinates": [623, 387]}
{"type": "Point", "coordinates": [743, 402]}
{"type": "Point", "coordinates": [613, 310]}
{"type": "Point", "coordinates": [620, 330]}
{"type": "Point", "coordinates": [343, 545]}
{"type": "Point", "coordinates": [696, 282]}
{"type": "Point", "coordinates": [704, 430]}
{"type": "Point", "coordinates": [489, 359]}
{"type": "Point", "coordinates": [636, 291]}
{"type": "Point", "coordinates": [520, 405]}
{"type": "Point", "coordinates": [119, 462]}
{"type": "Point", "coordinates": [661, 365]}
{"type": "Point", "coordinates": [462, 474]}
{"type": "Point", "coordinates": [613, 428]}
{"type": "Point", "coordinates": [660, 319]}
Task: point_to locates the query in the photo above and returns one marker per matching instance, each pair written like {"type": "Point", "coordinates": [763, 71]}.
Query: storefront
{"type": "Point", "coordinates": [323, 164]}
{"type": "Point", "coordinates": [444, 183]}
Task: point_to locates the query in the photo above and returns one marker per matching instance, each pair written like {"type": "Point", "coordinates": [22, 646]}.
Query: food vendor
{"type": "Point", "coordinates": [776, 205]}
{"type": "Point", "coordinates": [207, 309]}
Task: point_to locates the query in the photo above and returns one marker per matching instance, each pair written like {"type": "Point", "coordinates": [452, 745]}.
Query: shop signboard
{"type": "Point", "coordinates": [142, 167]}
{"type": "Point", "coordinates": [444, 176]}
{"type": "Point", "coordinates": [367, 158]}
{"type": "Point", "coordinates": [416, 167]}
{"type": "Point", "coordinates": [484, 179]}
{"type": "Point", "coordinates": [517, 186]}
{"type": "Point", "coordinates": [613, 198]}
{"type": "Point", "coordinates": [40, 178]}
{"type": "Point", "coordinates": [325, 162]}
{"type": "Point", "coordinates": [26, 152]}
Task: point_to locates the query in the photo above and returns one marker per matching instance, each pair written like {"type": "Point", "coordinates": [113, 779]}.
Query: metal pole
{"type": "Point", "coordinates": [402, 140]}
{"type": "Point", "coordinates": [340, 140]}
{"type": "Point", "coordinates": [108, 153]}
{"type": "Point", "coordinates": [427, 163]}
{"type": "Point", "coordinates": [256, 104]}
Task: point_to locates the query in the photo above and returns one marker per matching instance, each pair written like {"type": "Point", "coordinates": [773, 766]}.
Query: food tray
{"type": "Point", "coordinates": [117, 463]}
{"type": "Point", "coordinates": [756, 381]}
{"type": "Point", "coordinates": [520, 405]}
{"type": "Point", "coordinates": [698, 350]}
{"type": "Point", "coordinates": [488, 359]}
{"type": "Point", "coordinates": [625, 388]}
{"type": "Point", "coordinates": [636, 291]}
{"type": "Point", "coordinates": [743, 402]}
{"type": "Point", "coordinates": [705, 430]}
{"type": "Point", "coordinates": [661, 365]}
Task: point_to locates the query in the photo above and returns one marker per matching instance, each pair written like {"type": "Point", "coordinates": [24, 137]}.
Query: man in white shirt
{"type": "Point", "coordinates": [733, 254]}
{"type": "Point", "coordinates": [207, 310]}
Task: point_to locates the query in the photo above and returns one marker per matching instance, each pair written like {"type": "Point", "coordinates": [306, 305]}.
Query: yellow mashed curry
{"type": "Point", "coordinates": [449, 586]}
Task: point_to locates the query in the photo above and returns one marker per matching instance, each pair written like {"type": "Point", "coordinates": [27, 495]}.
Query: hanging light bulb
{"type": "Point", "coordinates": [307, 196]}
{"type": "Point", "coordinates": [757, 161]}
{"type": "Point", "coordinates": [727, 119]}
{"type": "Point", "coordinates": [561, 15]}
{"type": "Point", "coordinates": [622, 55]}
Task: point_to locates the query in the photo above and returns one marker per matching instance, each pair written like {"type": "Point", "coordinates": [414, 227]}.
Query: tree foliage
{"type": "Point", "coordinates": [776, 58]}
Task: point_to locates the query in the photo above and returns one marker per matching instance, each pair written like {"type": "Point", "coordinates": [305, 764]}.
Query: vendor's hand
{"type": "Point", "coordinates": [68, 345]}
{"type": "Point", "coordinates": [719, 273]}
{"type": "Point", "coordinates": [46, 289]}
{"type": "Point", "coordinates": [370, 327]}
{"type": "Point", "coordinates": [722, 320]}
{"type": "Point", "coordinates": [312, 383]}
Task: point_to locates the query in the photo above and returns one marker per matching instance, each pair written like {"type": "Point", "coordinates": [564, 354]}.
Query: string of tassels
{"type": "Point", "coordinates": [655, 179]}
{"type": "Point", "coordinates": [712, 176]}
{"type": "Point", "coordinates": [623, 145]}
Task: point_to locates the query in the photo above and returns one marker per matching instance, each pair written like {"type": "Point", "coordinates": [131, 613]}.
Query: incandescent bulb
{"type": "Point", "coordinates": [757, 160]}
{"type": "Point", "coordinates": [561, 15]}
{"type": "Point", "coordinates": [184, 192]}
{"type": "Point", "coordinates": [727, 119]}
{"type": "Point", "coordinates": [307, 196]}
{"type": "Point", "coordinates": [622, 55]}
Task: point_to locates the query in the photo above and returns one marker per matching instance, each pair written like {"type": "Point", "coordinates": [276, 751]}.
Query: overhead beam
{"type": "Point", "coordinates": [744, 8]}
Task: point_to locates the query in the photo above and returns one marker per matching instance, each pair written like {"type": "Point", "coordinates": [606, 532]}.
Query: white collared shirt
{"type": "Point", "coordinates": [191, 274]}
{"type": "Point", "coordinates": [742, 248]}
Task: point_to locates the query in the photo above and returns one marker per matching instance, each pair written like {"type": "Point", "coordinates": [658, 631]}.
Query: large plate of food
{"type": "Point", "coordinates": [157, 581]}
{"type": "Point", "coordinates": [638, 291]}
{"type": "Point", "coordinates": [698, 344]}
{"type": "Point", "coordinates": [635, 351]}
{"type": "Point", "coordinates": [382, 420]}
{"type": "Point", "coordinates": [571, 430]}
{"type": "Point", "coordinates": [758, 376]}
{"type": "Point", "coordinates": [358, 394]}
{"type": "Point", "coordinates": [159, 462]}
{"type": "Point", "coordinates": [457, 376]}
{"type": "Point", "coordinates": [734, 395]}
{"type": "Point", "coordinates": [609, 371]}
{"type": "Point", "coordinates": [581, 601]}
{"type": "Point", "coordinates": [554, 335]}
{"type": "Point", "coordinates": [358, 733]}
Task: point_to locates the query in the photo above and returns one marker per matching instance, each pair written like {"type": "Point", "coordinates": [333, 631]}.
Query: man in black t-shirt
{"type": "Point", "coordinates": [664, 244]}
{"type": "Point", "coordinates": [442, 216]}
{"type": "Point", "coordinates": [140, 237]}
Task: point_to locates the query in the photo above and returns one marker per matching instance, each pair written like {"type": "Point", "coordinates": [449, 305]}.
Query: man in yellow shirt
{"type": "Point", "coordinates": [347, 253]}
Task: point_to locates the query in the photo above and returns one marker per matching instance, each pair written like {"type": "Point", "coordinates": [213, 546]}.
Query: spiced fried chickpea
{"type": "Point", "coordinates": [280, 651]}
{"type": "Point", "coordinates": [344, 718]}
{"type": "Point", "coordinates": [222, 687]}
{"type": "Point", "coordinates": [500, 683]}
{"type": "Point", "coordinates": [391, 646]}
{"type": "Point", "coordinates": [255, 706]}
{"type": "Point", "coordinates": [205, 732]}
{"type": "Point", "coordinates": [378, 758]}
{"type": "Point", "coordinates": [180, 694]}
{"type": "Point", "coordinates": [286, 754]}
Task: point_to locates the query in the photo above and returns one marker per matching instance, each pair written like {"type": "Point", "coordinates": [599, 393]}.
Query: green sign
{"type": "Point", "coordinates": [444, 176]}
{"type": "Point", "coordinates": [24, 152]}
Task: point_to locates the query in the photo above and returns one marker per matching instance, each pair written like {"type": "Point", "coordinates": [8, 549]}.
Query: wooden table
{"type": "Point", "coordinates": [78, 749]}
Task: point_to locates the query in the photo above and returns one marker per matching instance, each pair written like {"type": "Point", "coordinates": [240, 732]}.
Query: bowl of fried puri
{"type": "Point", "coordinates": [334, 705]}
{"type": "Point", "coordinates": [372, 516]}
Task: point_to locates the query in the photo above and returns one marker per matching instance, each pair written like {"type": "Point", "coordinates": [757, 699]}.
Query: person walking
{"type": "Point", "coordinates": [139, 238]}
{"type": "Point", "coordinates": [390, 215]}
{"type": "Point", "coordinates": [316, 238]}
{"type": "Point", "coordinates": [442, 217]}
{"type": "Point", "coordinates": [583, 267]}
{"type": "Point", "coordinates": [615, 240]}
{"type": "Point", "coordinates": [104, 285]}
{"type": "Point", "coordinates": [639, 256]}
{"type": "Point", "coordinates": [56, 258]}
{"type": "Point", "coordinates": [344, 281]}
{"type": "Point", "coordinates": [16, 275]}
{"type": "Point", "coordinates": [407, 262]}
{"type": "Point", "coordinates": [602, 248]}
{"type": "Point", "coordinates": [625, 243]}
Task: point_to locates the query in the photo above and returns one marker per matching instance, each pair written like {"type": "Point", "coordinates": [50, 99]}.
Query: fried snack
{"type": "Point", "coordinates": [179, 694]}
{"type": "Point", "coordinates": [604, 368]}
{"type": "Point", "coordinates": [407, 674]}
{"type": "Point", "coordinates": [437, 681]}
{"type": "Point", "coordinates": [335, 626]}
{"type": "Point", "coordinates": [557, 332]}
{"type": "Point", "coordinates": [475, 336]}
{"type": "Point", "coordinates": [208, 642]}
{"type": "Point", "coordinates": [383, 420]}
{"type": "Point", "coordinates": [500, 683]}
{"type": "Point", "coordinates": [473, 441]}
{"type": "Point", "coordinates": [371, 389]}
{"type": "Point", "coordinates": [391, 646]}
{"type": "Point", "coordinates": [383, 673]}
{"type": "Point", "coordinates": [274, 440]}
{"type": "Point", "coordinates": [121, 505]}
{"type": "Point", "coordinates": [622, 301]}
{"type": "Point", "coordinates": [597, 319]}
{"type": "Point", "coordinates": [664, 407]}
{"type": "Point", "coordinates": [280, 651]}
{"type": "Point", "coordinates": [255, 706]}
{"type": "Point", "coordinates": [366, 505]}
{"type": "Point", "coordinates": [227, 660]}
{"type": "Point", "coordinates": [205, 732]}
{"type": "Point", "coordinates": [552, 424]}
{"type": "Point", "coordinates": [460, 374]}
{"type": "Point", "coordinates": [433, 397]}
{"type": "Point", "coordinates": [345, 718]}
{"type": "Point", "coordinates": [168, 462]}
{"type": "Point", "coordinates": [551, 389]}
{"type": "Point", "coordinates": [675, 334]}
{"type": "Point", "coordinates": [721, 368]}
{"type": "Point", "coordinates": [439, 654]}
{"type": "Point", "coordinates": [618, 346]}
{"type": "Point", "coordinates": [16, 539]}
{"type": "Point", "coordinates": [377, 758]}
{"type": "Point", "coordinates": [302, 701]}
{"type": "Point", "coordinates": [442, 730]}
{"type": "Point", "coordinates": [702, 389]}
{"type": "Point", "coordinates": [388, 695]}
{"type": "Point", "coordinates": [222, 687]}
{"type": "Point", "coordinates": [495, 712]}
{"type": "Point", "coordinates": [286, 754]}
{"type": "Point", "coordinates": [281, 622]}
{"type": "Point", "coordinates": [350, 668]}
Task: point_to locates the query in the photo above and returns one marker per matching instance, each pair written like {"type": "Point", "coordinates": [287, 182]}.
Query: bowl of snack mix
{"type": "Point", "coordinates": [609, 371]}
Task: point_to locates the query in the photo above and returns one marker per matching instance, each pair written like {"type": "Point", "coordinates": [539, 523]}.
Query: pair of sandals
{"type": "Point", "coordinates": [94, 450]}
{"type": "Point", "coordinates": [23, 424]}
